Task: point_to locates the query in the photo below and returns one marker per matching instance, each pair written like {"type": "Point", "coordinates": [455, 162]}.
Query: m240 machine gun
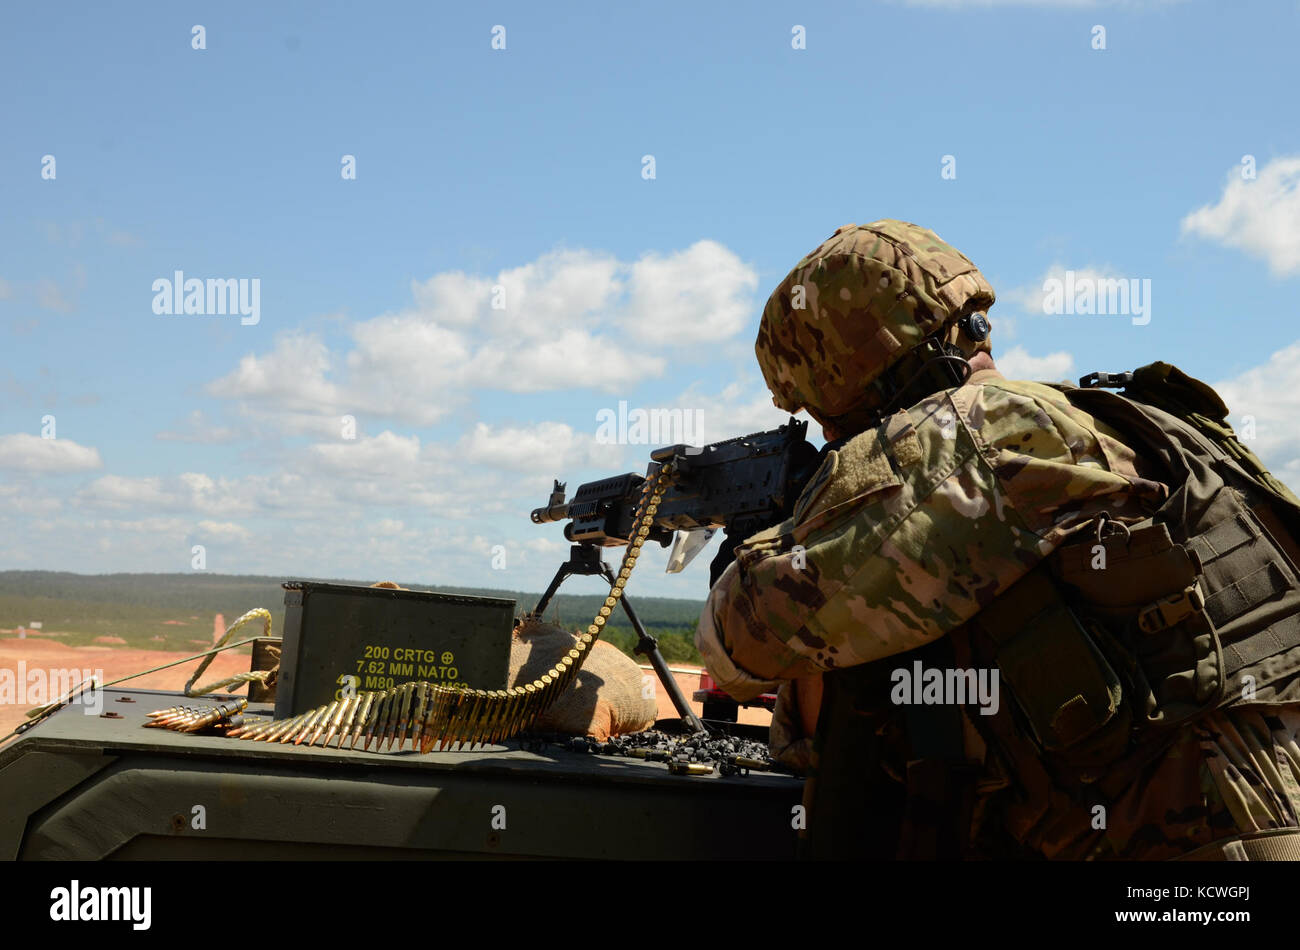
{"type": "Point", "coordinates": [741, 485]}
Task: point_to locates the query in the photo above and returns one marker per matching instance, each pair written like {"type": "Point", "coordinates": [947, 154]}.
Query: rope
{"type": "Point", "coordinates": [257, 613]}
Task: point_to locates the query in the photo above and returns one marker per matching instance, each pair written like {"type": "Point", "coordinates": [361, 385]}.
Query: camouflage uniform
{"type": "Point", "coordinates": [911, 528]}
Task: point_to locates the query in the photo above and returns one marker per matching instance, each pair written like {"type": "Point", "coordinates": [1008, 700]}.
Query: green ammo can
{"type": "Point", "coordinates": [339, 638]}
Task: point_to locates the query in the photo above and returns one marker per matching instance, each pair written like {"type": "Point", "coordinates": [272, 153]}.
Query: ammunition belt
{"type": "Point", "coordinates": [432, 714]}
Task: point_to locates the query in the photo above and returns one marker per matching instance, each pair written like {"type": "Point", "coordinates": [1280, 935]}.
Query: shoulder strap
{"type": "Point", "coordinates": [1166, 387]}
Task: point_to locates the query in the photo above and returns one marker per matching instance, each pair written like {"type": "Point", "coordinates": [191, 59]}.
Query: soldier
{"type": "Point", "coordinates": [1015, 619]}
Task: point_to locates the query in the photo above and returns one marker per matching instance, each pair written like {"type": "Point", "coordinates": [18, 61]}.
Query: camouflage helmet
{"type": "Point", "coordinates": [856, 305]}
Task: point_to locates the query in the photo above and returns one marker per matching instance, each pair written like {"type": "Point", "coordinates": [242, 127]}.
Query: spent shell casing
{"type": "Point", "coordinates": [689, 768]}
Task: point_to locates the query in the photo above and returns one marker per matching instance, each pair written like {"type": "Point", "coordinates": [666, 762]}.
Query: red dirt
{"type": "Point", "coordinates": [114, 661]}
{"type": "Point", "coordinates": [689, 683]}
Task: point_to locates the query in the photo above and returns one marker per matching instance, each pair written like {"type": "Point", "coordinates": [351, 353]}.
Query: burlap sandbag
{"type": "Point", "coordinates": [610, 696]}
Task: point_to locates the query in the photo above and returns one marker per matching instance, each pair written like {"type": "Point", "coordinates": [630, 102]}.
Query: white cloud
{"type": "Point", "coordinates": [738, 409]}
{"type": "Point", "coordinates": [224, 531]}
{"type": "Point", "coordinates": [24, 452]}
{"type": "Point", "coordinates": [547, 447]}
{"type": "Point", "coordinates": [700, 295]}
{"type": "Point", "coordinates": [291, 376]}
{"type": "Point", "coordinates": [386, 454]}
{"type": "Point", "coordinates": [189, 491]}
{"type": "Point", "coordinates": [567, 320]}
{"type": "Point", "coordinates": [1266, 398]}
{"type": "Point", "coordinates": [1260, 217]}
{"type": "Point", "coordinates": [1018, 363]}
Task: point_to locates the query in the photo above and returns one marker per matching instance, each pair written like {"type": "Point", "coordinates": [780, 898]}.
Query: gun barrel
{"type": "Point", "coordinates": [550, 513]}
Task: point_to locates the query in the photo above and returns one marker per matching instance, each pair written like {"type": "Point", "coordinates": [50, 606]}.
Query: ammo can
{"type": "Point", "coordinates": [339, 638]}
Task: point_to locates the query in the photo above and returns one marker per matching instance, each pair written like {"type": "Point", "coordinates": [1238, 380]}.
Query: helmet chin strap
{"type": "Point", "coordinates": [932, 366]}
{"type": "Point", "coordinates": [944, 366]}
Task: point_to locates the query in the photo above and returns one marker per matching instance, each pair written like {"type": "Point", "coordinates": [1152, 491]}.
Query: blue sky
{"type": "Point", "coordinates": [522, 168]}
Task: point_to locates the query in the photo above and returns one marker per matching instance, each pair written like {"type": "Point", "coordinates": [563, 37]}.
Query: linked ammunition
{"type": "Point", "coordinates": [433, 714]}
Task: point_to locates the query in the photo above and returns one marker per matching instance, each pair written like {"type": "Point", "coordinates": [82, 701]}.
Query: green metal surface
{"type": "Point", "coordinates": [383, 637]}
{"type": "Point", "coordinates": [86, 787]}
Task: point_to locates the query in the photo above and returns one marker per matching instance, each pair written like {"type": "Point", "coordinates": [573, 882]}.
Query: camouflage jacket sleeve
{"type": "Point", "coordinates": [909, 529]}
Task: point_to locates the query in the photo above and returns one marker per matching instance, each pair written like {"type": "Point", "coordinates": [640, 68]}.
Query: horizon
{"type": "Point", "coordinates": [436, 261]}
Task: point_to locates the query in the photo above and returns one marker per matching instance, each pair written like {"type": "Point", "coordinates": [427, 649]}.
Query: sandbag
{"type": "Point", "coordinates": [609, 697]}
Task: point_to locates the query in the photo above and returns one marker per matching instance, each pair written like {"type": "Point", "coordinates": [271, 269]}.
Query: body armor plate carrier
{"type": "Point", "coordinates": [1120, 636]}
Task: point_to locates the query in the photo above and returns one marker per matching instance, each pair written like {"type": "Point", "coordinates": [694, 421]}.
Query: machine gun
{"type": "Point", "coordinates": [742, 485]}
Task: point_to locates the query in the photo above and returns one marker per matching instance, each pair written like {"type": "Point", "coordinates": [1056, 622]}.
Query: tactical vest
{"type": "Point", "coordinates": [1112, 643]}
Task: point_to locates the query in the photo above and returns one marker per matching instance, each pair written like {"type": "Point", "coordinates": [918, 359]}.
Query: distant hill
{"type": "Point", "coordinates": [175, 611]}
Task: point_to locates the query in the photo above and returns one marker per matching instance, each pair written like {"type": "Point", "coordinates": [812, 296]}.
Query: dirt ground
{"type": "Point", "coordinates": [689, 683]}
{"type": "Point", "coordinates": [44, 653]}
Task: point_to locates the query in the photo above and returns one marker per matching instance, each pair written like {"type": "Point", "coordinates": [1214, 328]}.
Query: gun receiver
{"type": "Point", "coordinates": [740, 484]}
{"type": "Point", "coordinates": [743, 484]}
